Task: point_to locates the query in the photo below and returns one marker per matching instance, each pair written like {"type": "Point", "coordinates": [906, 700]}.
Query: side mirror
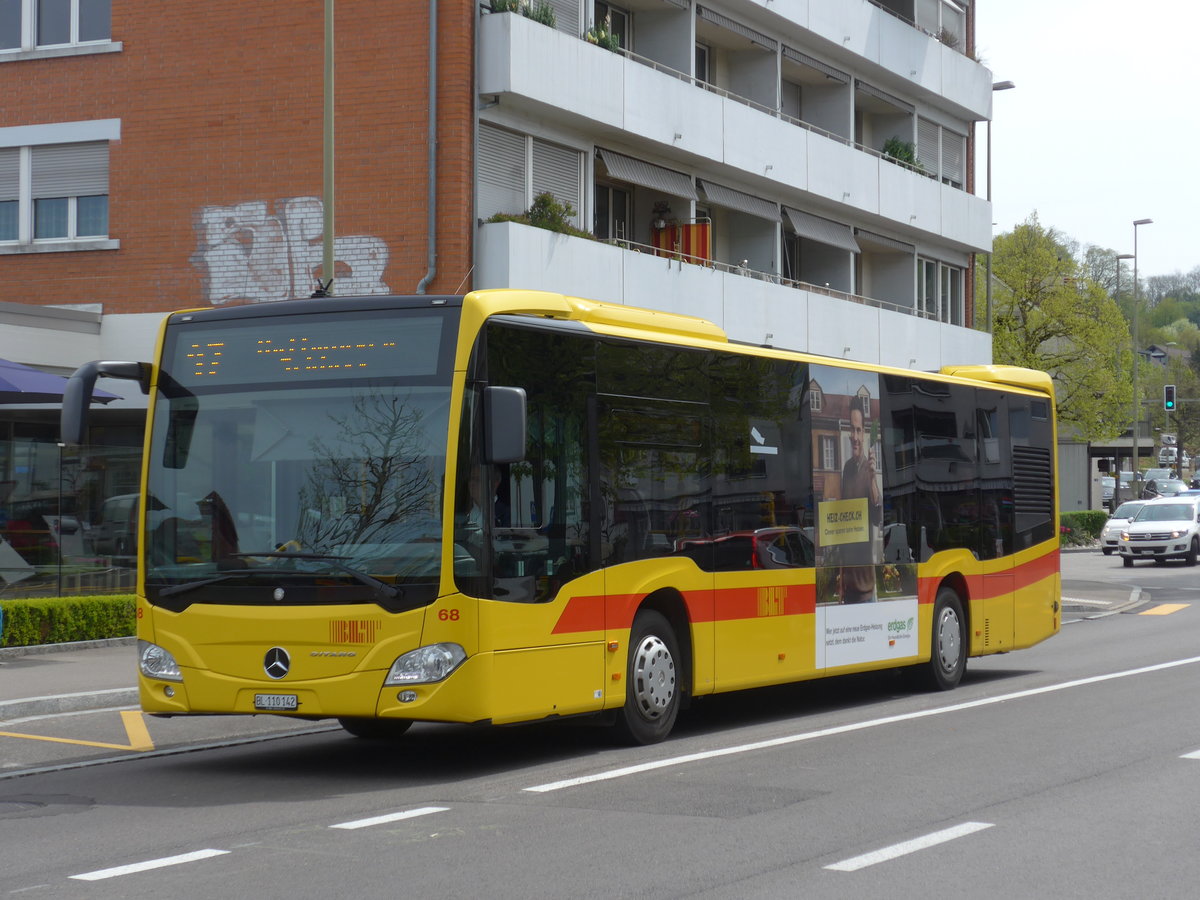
{"type": "Point", "coordinates": [77, 393]}
{"type": "Point", "coordinates": [504, 424]}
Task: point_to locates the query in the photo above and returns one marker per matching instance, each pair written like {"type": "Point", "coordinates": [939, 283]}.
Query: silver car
{"type": "Point", "coordinates": [1110, 534]}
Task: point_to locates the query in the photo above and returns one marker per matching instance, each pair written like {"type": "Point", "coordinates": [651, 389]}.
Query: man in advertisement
{"type": "Point", "coordinates": [856, 580]}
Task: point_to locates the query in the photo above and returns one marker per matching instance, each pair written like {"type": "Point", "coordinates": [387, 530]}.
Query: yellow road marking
{"type": "Point", "coordinates": [1163, 609]}
{"type": "Point", "coordinates": [135, 730]}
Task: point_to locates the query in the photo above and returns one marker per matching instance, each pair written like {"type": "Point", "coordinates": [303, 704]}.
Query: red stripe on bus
{"type": "Point", "coordinates": [588, 613]}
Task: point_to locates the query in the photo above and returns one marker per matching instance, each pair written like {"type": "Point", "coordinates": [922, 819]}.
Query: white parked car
{"type": "Point", "coordinates": [1166, 528]}
{"type": "Point", "coordinates": [1110, 534]}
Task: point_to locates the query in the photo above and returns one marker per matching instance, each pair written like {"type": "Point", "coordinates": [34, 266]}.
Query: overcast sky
{"type": "Point", "coordinates": [1099, 130]}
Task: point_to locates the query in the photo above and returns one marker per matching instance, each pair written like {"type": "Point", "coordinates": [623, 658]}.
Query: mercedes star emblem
{"type": "Point", "coordinates": [277, 662]}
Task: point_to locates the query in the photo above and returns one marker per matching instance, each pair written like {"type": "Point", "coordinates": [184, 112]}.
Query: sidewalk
{"type": "Point", "coordinates": [59, 678]}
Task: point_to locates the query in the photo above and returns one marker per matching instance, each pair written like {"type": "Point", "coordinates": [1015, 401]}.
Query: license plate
{"type": "Point", "coordinates": [276, 701]}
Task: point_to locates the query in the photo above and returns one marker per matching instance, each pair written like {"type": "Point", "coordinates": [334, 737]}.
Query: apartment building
{"type": "Point", "coordinates": [798, 171]}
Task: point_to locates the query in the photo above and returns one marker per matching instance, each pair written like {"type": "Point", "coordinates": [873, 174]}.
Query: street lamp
{"type": "Point", "coordinates": [1136, 303]}
{"type": "Point", "coordinates": [1133, 453]}
{"type": "Point", "coordinates": [997, 86]}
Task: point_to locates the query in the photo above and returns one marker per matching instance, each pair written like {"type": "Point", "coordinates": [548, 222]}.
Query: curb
{"type": "Point", "coordinates": [39, 649]}
{"type": "Point", "coordinates": [12, 710]}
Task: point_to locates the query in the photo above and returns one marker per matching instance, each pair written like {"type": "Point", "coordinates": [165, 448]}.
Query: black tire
{"type": "Point", "coordinates": [652, 681]}
{"type": "Point", "coordinates": [1193, 552]}
{"type": "Point", "coordinates": [1107, 551]}
{"type": "Point", "coordinates": [375, 729]}
{"type": "Point", "coordinates": [948, 646]}
{"type": "Point", "coordinates": [1128, 561]}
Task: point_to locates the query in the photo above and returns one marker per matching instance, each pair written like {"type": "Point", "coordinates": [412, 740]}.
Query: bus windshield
{"type": "Point", "coordinates": [290, 464]}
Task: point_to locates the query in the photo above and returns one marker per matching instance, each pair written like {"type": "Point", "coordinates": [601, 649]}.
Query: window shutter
{"type": "Point", "coordinates": [10, 169]}
{"type": "Point", "coordinates": [928, 142]}
{"type": "Point", "coordinates": [557, 170]}
{"type": "Point", "coordinates": [566, 16]}
{"type": "Point", "coordinates": [501, 171]}
{"type": "Point", "coordinates": [952, 156]}
{"type": "Point", "coordinates": [70, 170]}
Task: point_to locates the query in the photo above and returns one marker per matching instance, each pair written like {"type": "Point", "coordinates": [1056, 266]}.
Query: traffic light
{"type": "Point", "coordinates": [1169, 397]}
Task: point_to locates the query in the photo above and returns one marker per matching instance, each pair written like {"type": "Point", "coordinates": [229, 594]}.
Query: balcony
{"type": "Point", "coordinates": [753, 307]}
{"type": "Point", "coordinates": [598, 92]}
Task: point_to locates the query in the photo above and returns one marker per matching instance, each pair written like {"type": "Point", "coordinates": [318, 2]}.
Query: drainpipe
{"type": "Point", "coordinates": [431, 224]}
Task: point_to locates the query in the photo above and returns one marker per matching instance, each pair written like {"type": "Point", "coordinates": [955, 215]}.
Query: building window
{"type": "Point", "coordinates": [927, 288]}
{"type": "Point", "coordinates": [952, 295]}
{"type": "Point", "coordinates": [514, 168]}
{"type": "Point", "coordinates": [27, 24]}
{"type": "Point", "coordinates": [611, 219]}
{"type": "Point", "coordinates": [829, 453]}
{"type": "Point", "coordinates": [54, 192]}
{"type": "Point", "coordinates": [617, 20]}
{"type": "Point", "coordinates": [940, 291]}
{"type": "Point", "coordinates": [702, 55]}
{"type": "Point", "coordinates": [816, 399]}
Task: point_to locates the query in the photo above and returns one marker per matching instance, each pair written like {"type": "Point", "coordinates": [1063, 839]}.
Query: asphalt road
{"type": "Point", "coordinates": [1058, 771]}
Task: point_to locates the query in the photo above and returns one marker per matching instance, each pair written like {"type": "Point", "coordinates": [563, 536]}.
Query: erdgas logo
{"type": "Point", "coordinates": [898, 626]}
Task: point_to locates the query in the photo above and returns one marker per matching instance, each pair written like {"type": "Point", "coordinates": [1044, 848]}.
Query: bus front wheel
{"type": "Point", "coordinates": [651, 681]}
{"type": "Point", "coordinates": [948, 652]}
{"type": "Point", "coordinates": [375, 729]}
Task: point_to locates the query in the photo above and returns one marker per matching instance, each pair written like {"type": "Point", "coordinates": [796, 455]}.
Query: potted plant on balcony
{"type": "Point", "coordinates": [548, 213]}
{"type": "Point", "coordinates": [601, 35]}
{"type": "Point", "coordinates": [903, 152]}
{"type": "Point", "coordinates": [541, 12]}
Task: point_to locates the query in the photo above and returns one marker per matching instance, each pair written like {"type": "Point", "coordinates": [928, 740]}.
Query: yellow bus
{"type": "Point", "coordinates": [512, 506]}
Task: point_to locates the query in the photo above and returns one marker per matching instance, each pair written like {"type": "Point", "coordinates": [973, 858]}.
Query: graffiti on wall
{"type": "Point", "coordinates": [249, 252]}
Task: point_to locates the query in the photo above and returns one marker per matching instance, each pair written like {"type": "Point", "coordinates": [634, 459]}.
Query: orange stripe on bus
{"type": "Point", "coordinates": [597, 612]}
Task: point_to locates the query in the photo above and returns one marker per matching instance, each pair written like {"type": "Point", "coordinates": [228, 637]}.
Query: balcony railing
{"type": "Point", "coordinates": [770, 111]}
{"type": "Point", "coordinates": [770, 277]}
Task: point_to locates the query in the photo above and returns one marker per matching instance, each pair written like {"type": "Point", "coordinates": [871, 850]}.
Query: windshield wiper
{"type": "Point", "coordinates": [192, 585]}
{"type": "Point", "coordinates": [382, 588]}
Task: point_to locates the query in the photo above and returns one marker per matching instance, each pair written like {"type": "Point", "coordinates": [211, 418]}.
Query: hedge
{"type": "Point", "coordinates": [1082, 528]}
{"type": "Point", "coordinates": [60, 620]}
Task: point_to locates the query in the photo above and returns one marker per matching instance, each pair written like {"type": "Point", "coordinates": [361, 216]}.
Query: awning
{"type": "Point", "coordinates": [883, 242]}
{"type": "Point", "coordinates": [728, 197]}
{"type": "Point", "coordinates": [24, 384]}
{"type": "Point", "coordinates": [813, 63]}
{"type": "Point", "coordinates": [647, 175]}
{"type": "Point", "coordinates": [756, 37]}
{"type": "Point", "coordinates": [871, 91]}
{"type": "Point", "coordinates": [823, 231]}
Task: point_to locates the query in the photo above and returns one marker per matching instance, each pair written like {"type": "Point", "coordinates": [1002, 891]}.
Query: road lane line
{"type": "Point", "coordinates": [1193, 755]}
{"type": "Point", "coordinates": [133, 868]}
{"type": "Point", "coordinates": [854, 726]}
{"type": "Point", "coordinates": [903, 849]}
{"type": "Point", "coordinates": [390, 817]}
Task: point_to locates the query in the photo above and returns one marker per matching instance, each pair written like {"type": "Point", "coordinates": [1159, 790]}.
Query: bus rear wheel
{"type": "Point", "coordinates": [948, 650]}
{"type": "Point", "coordinates": [375, 729]}
{"type": "Point", "coordinates": [651, 681]}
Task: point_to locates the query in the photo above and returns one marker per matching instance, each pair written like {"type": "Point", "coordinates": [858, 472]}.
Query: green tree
{"type": "Point", "coordinates": [1049, 315]}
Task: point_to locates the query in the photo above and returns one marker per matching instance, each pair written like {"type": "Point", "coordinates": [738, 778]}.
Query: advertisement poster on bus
{"type": "Point", "coordinates": [866, 607]}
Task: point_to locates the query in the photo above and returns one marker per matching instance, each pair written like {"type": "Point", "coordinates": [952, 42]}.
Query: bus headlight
{"type": "Point", "coordinates": [425, 665]}
{"type": "Point", "coordinates": [155, 662]}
